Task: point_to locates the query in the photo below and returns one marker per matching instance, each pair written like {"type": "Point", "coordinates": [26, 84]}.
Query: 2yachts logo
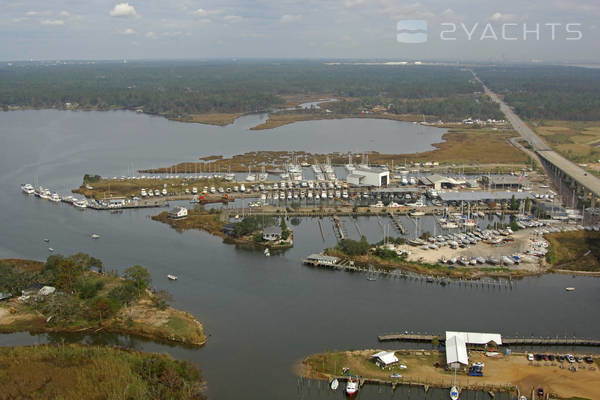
{"type": "Point", "coordinates": [411, 31]}
{"type": "Point", "coordinates": [415, 31]}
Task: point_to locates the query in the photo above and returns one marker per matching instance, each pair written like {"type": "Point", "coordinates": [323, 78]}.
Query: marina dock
{"type": "Point", "coordinates": [397, 222]}
{"type": "Point", "coordinates": [532, 341]}
{"type": "Point", "coordinates": [330, 262]}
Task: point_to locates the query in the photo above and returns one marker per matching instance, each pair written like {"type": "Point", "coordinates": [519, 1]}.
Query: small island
{"type": "Point", "coordinates": [266, 232]}
{"type": "Point", "coordinates": [77, 294]}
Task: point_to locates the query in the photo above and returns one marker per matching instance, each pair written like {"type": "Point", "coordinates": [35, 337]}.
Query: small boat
{"type": "Point", "coordinates": [50, 249]}
{"type": "Point", "coordinates": [172, 277]}
{"type": "Point", "coordinates": [95, 236]}
{"type": "Point", "coordinates": [351, 387]}
{"type": "Point", "coordinates": [334, 384]}
{"type": "Point", "coordinates": [397, 376]}
{"type": "Point", "coordinates": [454, 393]}
{"type": "Point", "coordinates": [267, 252]}
{"type": "Point", "coordinates": [46, 240]}
{"type": "Point", "coordinates": [570, 289]}
{"type": "Point", "coordinates": [522, 398]}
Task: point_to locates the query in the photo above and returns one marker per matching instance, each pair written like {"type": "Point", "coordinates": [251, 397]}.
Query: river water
{"type": "Point", "coordinates": [261, 314]}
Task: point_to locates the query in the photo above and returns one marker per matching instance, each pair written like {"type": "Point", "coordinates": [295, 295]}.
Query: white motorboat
{"type": "Point", "coordinates": [95, 236]}
{"type": "Point", "coordinates": [172, 277]}
{"type": "Point", "coordinates": [50, 249]}
{"type": "Point", "coordinates": [164, 192]}
{"type": "Point", "coordinates": [334, 384]}
{"type": "Point", "coordinates": [570, 289]}
{"type": "Point", "coordinates": [27, 188]}
{"type": "Point", "coordinates": [55, 197]}
{"type": "Point", "coordinates": [267, 252]}
{"type": "Point", "coordinates": [80, 203]}
{"type": "Point", "coordinates": [351, 387]}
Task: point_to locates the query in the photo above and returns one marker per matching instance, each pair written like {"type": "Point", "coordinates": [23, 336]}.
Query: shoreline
{"type": "Point", "coordinates": [426, 368]}
{"type": "Point", "coordinates": [144, 317]}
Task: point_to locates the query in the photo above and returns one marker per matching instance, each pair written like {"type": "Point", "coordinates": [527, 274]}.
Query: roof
{"type": "Point", "coordinates": [506, 180]}
{"type": "Point", "coordinates": [480, 196]}
{"type": "Point", "coordinates": [436, 178]}
{"type": "Point", "coordinates": [456, 344]}
{"type": "Point", "coordinates": [386, 357]}
{"type": "Point", "coordinates": [272, 230]}
{"type": "Point", "coordinates": [321, 257]}
{"type": "Point", "coordinates": [370, 170]}
{"type": "Point", "coordinates": [476, 338]}
{"type": "Point", "coordinates": [456, 350]}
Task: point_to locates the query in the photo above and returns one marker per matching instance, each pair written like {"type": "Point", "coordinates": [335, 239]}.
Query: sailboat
{"type": "Point", "coordinates": [454, 393]}
{"type": "Point", "coordinates": [371, 276]}
{"type": "Point", "coordinates": [267, 252]}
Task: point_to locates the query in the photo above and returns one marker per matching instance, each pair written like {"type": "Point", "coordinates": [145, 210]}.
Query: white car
{"type": "Point", "coordinates": [530, 357]}
{"type": "Point", "coordinates": [570, 358]}
{"type": "Point", "coordinates": [478, 364]}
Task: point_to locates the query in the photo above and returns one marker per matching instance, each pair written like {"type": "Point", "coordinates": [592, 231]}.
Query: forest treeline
{"type": "Point", "coordinates": [181, 88]}
{"type": "Point", "coordinates": [547, 92]}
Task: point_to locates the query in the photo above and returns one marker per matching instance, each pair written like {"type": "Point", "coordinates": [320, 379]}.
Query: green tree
{"type": "Point", "coordinates": [139, 277]}
{"type": "Point", "coordinates": [102, 307]}
{"type": "Point", "coordinates": [124, 293]}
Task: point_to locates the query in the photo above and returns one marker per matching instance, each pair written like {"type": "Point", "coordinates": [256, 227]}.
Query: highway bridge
{"type": "Point", "coordinates": [559, 168]}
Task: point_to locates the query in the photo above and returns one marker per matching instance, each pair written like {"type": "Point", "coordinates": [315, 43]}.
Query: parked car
{"type": "Point", "coordinates": [579, 359]}
{"type": "Point", "coordinates": [588, 359]}
{"type": "Point", "coordinates": [551, 357]}
{"type": "Point", "coordinates": [530, 357]}
{"type": "Point", "coordinates": [570, 358]}
{"type": "Point", "coordinates": [540, 392]}
{"type": "Point", "coordinates": [560, 358]}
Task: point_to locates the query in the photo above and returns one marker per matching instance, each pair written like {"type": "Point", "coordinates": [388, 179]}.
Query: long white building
{"type": "Point", "coordinates": [368, 176]}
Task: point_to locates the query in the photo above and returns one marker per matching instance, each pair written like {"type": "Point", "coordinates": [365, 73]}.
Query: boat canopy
{"type": "Point", "coordinates": [476, 338]}
{"type": "Point", "coordinates": [456, 351]}
{"type": "Point", "coordinates": [386, 357]}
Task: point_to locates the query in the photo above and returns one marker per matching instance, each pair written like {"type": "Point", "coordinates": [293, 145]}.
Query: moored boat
{"type": "Point", "coordinates": [351, 387]}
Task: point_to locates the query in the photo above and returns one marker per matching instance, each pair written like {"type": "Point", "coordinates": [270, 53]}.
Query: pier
{"type": "Point", "coordinates": [532, 341]}
{"type": "Point", "coordinates": [339, 228]}
{"type": "Point", "coordinates": [321, 261]}
{"type": "Point", "coordinates": [397, 222]}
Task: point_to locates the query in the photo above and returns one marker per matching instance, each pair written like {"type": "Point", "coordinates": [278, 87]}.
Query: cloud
{"type": "Point", "coordinates": [175, 34]}
{"type": "Point", "coordinates": [233, 19]}
{"type": "Point", "coordinates": [128, 32]}
{"type": "Point", "coordinates": [38, 13]}
{"type": "Point", "coordinates": [64, 13]}
{"type": "Point", "coordinates": [123, 10]}
{"type": "Point", "coordinates": [52, 22]}
{"type": "Point", "coordinates": [500, 17]}
{"type": "Point", "coordinates": [290, 18]}
{"type": "Point", "coordinates": [200, 12]}
{"type": "Point", "coordinates": [150, 35]}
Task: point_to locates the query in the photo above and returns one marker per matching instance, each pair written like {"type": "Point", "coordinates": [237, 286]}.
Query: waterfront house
{"type": "Point", "coordinates": [272, 234]}
{"type": "Point", "coordinates": [229, 229]}
{"type": "Point", "coordinates": [385, 359]}
{"type": "Point", "coordinates": [5, 296]}
{"type": "Point", "coordinates": [178, 213]}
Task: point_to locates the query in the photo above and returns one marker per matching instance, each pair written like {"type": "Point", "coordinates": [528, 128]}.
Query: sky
{"type": "Point", "coordinates": [488, 31]}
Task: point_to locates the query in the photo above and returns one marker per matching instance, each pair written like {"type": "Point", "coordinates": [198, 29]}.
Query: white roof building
{"type": "Point", "coordinates": [363, 175]}
{"type": "Point", "coordinates": [385, 358]}
{"type": "Point", "coordinates": [456, 345]}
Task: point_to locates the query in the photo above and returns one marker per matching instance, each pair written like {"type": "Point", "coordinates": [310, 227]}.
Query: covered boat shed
{"type": "Point", "coordinates": [385, 358]}
{"type": "Point", "coordinates": [457, 342]}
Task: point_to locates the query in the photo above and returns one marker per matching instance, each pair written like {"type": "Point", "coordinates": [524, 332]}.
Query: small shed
{"type": "Point", "coordinates": [46, 290]}
{"type": "Point", "coordinates": [385, 358]}
{"type": "Point", "coordinates": [178, 213]}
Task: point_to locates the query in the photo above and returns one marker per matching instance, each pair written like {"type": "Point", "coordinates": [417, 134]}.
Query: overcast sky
{"type": "Point", "coordinates": [97, 29]}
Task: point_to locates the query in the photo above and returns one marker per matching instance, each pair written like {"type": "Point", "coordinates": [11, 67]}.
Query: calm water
{"type": "Point", "coordinates": [262, 314]}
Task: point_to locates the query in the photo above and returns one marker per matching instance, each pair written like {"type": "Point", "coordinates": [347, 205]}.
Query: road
{"type": "Point", "coordinates": [588, 181]}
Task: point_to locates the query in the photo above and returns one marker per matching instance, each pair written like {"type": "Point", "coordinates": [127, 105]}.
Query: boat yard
{"type": "Point", "coordinates": [427, 368]}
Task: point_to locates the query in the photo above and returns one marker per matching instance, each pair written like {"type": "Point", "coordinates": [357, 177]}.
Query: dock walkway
{"type": "Point", "coordinates": [533, 341]}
